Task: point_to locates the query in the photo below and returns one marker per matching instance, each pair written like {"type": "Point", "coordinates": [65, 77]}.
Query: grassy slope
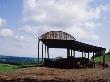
{"type": "Point", "coordinates": [7, 67]}
{"type": "Point", "coordinates": [100, 59]}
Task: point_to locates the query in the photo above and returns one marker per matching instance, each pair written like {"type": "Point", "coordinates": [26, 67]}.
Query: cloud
{"type": "Point", "coordinates": [13, 34]}
{"type": "Point", "coordinates": [83, 33]}
{"type": "Point", "coordinates": [5, 32]}
{"type": "Point", "coordinates": [14, 43]}
{"type": "Point", "coordinates": [75, 17]}
{"type": "Point", "coordinates": [22, 38]}
{"type": "Point", "coordinates": [19, 38]}
{"type": "Point", "coordinates": [2, 22]}
{"type": "Point", "coordinates": [9, 33]}
{"type": "Point", "coordinates": [29, 29]}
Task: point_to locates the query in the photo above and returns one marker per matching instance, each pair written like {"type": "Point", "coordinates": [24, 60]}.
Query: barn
{"type": "Point", "coordinates": [60, 39]}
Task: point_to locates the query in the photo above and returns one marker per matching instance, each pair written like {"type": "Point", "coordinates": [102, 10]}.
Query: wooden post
{"type": "Point", "coordinates": [88, 55]}
{"type": "Point", "coordinates": [38, 50]}
{"type": "Point", "coordinates": [68, 52]}
{"type": "Point", "coordinates": [103, 59]}
{"type": "Point", "coordinates": [42, 52]}
{"type": "Point", "coordinates": [103, 53]}
{"type": "Point", "coordinates": [74, 53]}
{"type": "Point", "coordinates": [45, 51]}
{"type": "Point", "coordinates": [71, 52]}
{"type": "Point", "coordinates": [48, 52]}
{"type": "Point", "coordinates": [93, 56]}
{"type": "Point", "coordinates": [85, 55]}
{"type": "Point", "coordinates": [82, 54]}
{"type": "Point", "coordinates": [93, 60]}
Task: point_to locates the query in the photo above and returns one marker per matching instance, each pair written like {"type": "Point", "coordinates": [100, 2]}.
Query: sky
{"type": "Point", "coordinates": [22, 21]}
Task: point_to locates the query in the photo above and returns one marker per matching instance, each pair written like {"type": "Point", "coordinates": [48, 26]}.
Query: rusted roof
{"type": "Point", "coordinates": [59, 39]}
{"type": "Point", "coordinates": [57, 35]}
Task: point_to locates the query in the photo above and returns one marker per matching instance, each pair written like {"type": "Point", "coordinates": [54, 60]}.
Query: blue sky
{"type": "Point", "coordinates": [22, 21]}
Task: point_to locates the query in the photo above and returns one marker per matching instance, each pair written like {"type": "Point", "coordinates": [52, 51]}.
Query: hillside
{"type": "Point", "coordinates": [17, 60]}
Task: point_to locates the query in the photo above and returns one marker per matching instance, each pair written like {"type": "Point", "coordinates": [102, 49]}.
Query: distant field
{"type": "Point", "coordinates": [7, 67]}
{"type": "Point", "coordinates": [100, 58]}
{"type": "Point", "coordinates": [11, 68]}
{"type": "Point", "coordinates": [12, 63]}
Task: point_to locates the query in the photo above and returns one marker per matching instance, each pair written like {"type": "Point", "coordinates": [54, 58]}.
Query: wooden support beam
{"type": "Point", "coordinates": [88, 55]}
{"type": "Point", "coordinates": [45, 51]}
{"type": "Point", "coordinates": [71, 52]}
{"type": "Point", "coordinates": [82, 54]}
{"type": "Point", "coordinates": [85, 55]}
{"type": "Point", "coordinates": [68, 52]}
{"type": "Point", "coordinates": [103, 53]}
{"type": "Point", "coordinates": [48, 52]}
{"type": "Point", "coordinates": [74, 53]}
{"type": "Point", "coordinates": [38, 50]}
{"type": "Point", "coordinates": [93, 60]}
{"type": "Point", "coordinates": [42, 52]}
{"type": "Point", "coordinates": [93, 56]}
{"type": "Point", "coordinates": [103, 59]}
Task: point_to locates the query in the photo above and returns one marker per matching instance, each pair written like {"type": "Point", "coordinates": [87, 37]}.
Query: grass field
{"type": "Point", "coordinates": [100, 58]}
{"type": "Point", "coordinates": [14, 73]}
{"type": "Point", "coordinates": [11, 68]}
{"type": "Point", "coordinates": [7, 67]}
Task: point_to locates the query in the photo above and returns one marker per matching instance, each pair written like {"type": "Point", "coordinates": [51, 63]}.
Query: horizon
{"type": "Point", "coordinates": [23, 21]}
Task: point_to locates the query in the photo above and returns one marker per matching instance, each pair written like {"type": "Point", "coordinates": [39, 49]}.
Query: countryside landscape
{"type": "Point", "coordinates": [54, 41]}
{"type": "Point", "coordinates": [11, 71]}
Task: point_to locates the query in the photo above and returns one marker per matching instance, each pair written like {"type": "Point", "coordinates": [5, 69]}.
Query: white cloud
{"type": "Point", "coordinates": [19, 38]}
{"type": "Point", "coordinates": [9, 33]}
{"type": "Point", "coordinates": [22, 38]}
{"type": "Point", "coordinates": [5, 32]}
{"type": "Point", "coordinates": [2, 22]}
{"type": "Point", "coordinates": [82, 33]}
{"type": "Point", "coordinates": [29, 29]}
{"type": "Point", "coordinates": [75, 17]}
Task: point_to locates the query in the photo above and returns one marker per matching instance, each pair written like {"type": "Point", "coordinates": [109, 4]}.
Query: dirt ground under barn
{"type": "Point", "coordinates": [44, 74]}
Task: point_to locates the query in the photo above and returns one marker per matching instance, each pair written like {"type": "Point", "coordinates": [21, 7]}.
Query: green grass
{"type": "Point", "coordinates": [100, 58]}
{"type": "Point", "coordinates": [7, 67]}
{"type": "Point", "coordinates": [11, 68]}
